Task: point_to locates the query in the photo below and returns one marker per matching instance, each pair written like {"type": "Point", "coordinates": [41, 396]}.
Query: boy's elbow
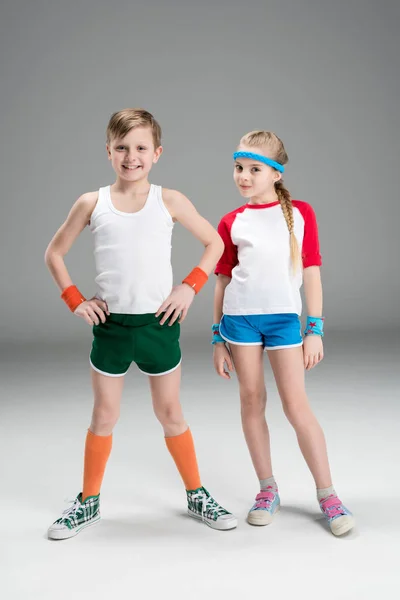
{"type": "Point", "coordinates": [219, 245]}
{"type": "Point", "coordinates": [49, 255]}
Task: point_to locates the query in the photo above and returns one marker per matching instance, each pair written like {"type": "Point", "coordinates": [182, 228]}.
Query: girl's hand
{"type": "Point", "coordinates": [177, 303]}
{"type": "Point", "coordinates": [222, 357]}
{"type": "Point", "coordinates": [93, 311]}
{"type": "Point", "coordinates": [313, 351]}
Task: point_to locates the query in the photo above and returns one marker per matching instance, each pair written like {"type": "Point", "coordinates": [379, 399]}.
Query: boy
{"type": "Point", "coordinates": [135, 314]}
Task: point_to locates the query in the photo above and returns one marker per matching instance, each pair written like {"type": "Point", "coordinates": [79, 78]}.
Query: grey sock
{"type": "Point", "coordinates": [325, 492]}
{"type": "Point", "coordinates": [265, 483]}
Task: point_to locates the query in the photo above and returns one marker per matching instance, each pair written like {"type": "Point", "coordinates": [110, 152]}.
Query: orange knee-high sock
{"type": "Point", "coordinates": [97, 451]}
{"type": "Point", "coordinates": [182, 451]}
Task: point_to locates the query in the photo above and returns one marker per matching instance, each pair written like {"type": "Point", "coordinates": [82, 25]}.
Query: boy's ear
{"type": "Point", "coordinates": [157, 153]}
{"type": "Point", "coordinates": [108, 152]}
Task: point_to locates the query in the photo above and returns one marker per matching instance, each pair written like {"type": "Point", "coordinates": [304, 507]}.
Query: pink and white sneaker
{"type": "Point", "coordinates": [340, 519]}
{"type": "Point", "coordinates": [266, 505]}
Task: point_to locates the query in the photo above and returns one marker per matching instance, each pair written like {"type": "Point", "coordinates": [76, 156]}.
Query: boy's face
{"type": "Point", "coordinates": [254, 178]}
{"type": "Point", "coordinates": [133, 156]}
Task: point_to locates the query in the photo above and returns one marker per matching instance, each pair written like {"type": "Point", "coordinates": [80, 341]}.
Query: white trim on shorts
{"type": "Point", "coordinates": [107, 374]}
{"type": "Point", "coordinates": [240, 343]}
{"type": "Point", "coordinates": [163, 373]}
{"type": "Point", "coordinates": [283, 347]}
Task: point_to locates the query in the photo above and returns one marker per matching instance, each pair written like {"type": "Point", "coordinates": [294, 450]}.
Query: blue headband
{"type": "Point", "coordinates": [260, 158]}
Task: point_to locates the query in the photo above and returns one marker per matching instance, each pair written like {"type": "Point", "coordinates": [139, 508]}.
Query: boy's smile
{"type": "Point", "coordinates": [133, 156]}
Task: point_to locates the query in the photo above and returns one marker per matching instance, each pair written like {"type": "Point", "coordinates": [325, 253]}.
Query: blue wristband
{"type": "Point", "coordinates": [315, 326]}
{"type": "Point", "coordinates": [216, 338]}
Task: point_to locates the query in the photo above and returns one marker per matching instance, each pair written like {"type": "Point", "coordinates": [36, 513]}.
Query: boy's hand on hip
{"type": "Point", "coordinates": [92, 311]}
{"type": "Point", "coordinates": [313, 351]}
{"type": "Point", "coordinates": [177, 303]}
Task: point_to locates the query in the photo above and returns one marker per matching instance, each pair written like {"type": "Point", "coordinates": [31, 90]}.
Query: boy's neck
{"type": "Point", "coordinates": [131, 188]}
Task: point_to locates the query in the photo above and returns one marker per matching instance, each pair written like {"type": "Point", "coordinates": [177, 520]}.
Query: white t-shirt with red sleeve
{"type": "Point", "coordinates": [257, 258]}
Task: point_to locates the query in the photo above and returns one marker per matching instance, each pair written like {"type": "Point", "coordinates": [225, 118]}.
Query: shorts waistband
{"type": "Point", "coordinates": [130, 320]}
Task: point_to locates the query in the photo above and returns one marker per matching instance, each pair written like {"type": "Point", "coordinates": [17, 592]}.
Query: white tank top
{"type": "Point", "coordinates": [132, 253]}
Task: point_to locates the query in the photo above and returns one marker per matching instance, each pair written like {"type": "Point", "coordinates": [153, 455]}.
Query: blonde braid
{"type": "Point", "coordinates": [287, 209]}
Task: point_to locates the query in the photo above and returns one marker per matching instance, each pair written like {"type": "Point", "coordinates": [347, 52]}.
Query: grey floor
{"type": "Point", "coordinates": [145, 546]}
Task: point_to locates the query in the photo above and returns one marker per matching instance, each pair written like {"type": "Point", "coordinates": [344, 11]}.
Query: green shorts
{"type": "Point", "coordinates": [124, 339]}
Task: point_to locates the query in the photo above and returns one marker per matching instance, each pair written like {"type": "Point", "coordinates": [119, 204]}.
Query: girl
{"type": "Point", "coordinates": [271, 246]}
{"type": "Point", "coordinates": [135, 314]}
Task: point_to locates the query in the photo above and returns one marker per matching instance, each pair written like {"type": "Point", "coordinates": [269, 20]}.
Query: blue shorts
{"type": "Point", "coordinates": [273, 332]}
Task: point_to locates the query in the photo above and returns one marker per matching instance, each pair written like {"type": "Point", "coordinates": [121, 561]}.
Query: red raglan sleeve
{"type": "Point", "coordinates": [229, 258]}
{"type": "Point", "coordinates": [310, 251]}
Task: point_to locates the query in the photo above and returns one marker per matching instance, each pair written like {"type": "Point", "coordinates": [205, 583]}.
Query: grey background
{"type": "Point", "coordinates": [323, 75]}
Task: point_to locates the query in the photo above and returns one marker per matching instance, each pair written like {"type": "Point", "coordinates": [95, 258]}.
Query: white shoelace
{"type": "Point", "coordinates": [207, 502]}
{"type": "Point", "coordinates": [71, 509]}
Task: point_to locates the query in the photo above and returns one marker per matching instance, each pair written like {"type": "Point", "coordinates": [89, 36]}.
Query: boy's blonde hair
{"type": "Point", "coordinates": [275, 149]}
{"type": "Point", "coordinates": [123, 121]}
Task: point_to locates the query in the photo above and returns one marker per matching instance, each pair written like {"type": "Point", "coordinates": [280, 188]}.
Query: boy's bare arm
{"type": "Point", "coordinates": [93, 310]}
{"type": "Point", "coordinates": [183, 211]}
{"type": "Point", "coordinates": [64, 238]}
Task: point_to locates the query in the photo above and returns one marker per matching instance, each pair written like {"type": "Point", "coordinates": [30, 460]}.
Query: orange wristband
{"type": "Point", "coordinates": [196, 279]}
{"type": "Point", "coordinates": [72, 297]}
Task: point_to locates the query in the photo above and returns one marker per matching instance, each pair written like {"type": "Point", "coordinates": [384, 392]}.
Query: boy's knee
{"type": "Point", "coordinates": [169, 415]}
{"type": "Point", "coordinates": [104, 418]}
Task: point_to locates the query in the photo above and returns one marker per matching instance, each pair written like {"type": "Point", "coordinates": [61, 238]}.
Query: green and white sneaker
{"type": "Point", "coordinates": [202, 506]}
{"type": "Point", "coordinates": [75, 518]}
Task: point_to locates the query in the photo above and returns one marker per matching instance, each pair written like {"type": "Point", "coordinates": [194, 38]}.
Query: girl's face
{"type": "Point", "coordinates": [253, 178]}
{"type": "Point", "coordinates": [133, 156]}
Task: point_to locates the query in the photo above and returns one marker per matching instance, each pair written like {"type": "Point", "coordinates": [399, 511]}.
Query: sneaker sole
{"type": "Point", "coordinates": [222, 525]}
{"type": "Point", "coordinates": [65, 534]}
{"type": "Point", "coordinates": [262, 517]}
{"type": "Point", "coordinates": [347, 525]}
